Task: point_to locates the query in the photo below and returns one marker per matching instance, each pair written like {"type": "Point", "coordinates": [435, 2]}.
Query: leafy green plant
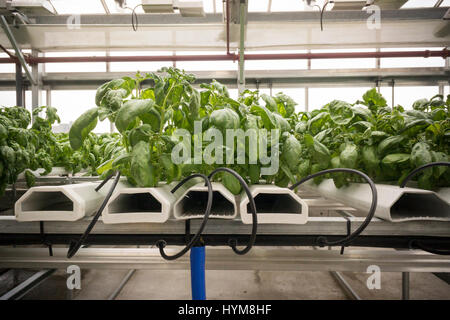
{"type": "Point", "coordinates": [384, 142]}
{"type": "Point", "coordinates": [26, 146]}
{"type": "Point", "coordinates": [368, 135]}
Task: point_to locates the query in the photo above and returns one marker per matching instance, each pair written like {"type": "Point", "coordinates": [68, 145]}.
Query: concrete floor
{"type": "Point", "coordinates": [147, 284]}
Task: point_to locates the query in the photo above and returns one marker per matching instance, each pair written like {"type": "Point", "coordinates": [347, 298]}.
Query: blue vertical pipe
{"type": "Point", "coordinates": [198, 286]}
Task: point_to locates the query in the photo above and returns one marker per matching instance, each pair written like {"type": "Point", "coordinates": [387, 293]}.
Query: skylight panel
{"type": "Point", "coordinates": [78, 7]}
{"type": "Point", "coordinates": [258, 5]}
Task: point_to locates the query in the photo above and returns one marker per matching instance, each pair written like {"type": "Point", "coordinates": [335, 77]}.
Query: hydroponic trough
{"type": "Point", "coordinates": [274, 205]}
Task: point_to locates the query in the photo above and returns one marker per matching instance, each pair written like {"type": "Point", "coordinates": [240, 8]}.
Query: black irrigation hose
{"type": "Point", "coordinates": [233, 242]}
{"type": "Point", "coordinates": [403, 184]}
{"type": "Point", "coordinates": [74, 247]}
{"type": "Point", "coordinates": [321, 13]}
{"type": "Point", "coordinates": [420, 245]}
{"type": "Point", "coordinates": [104, 182]}
{"type": "Point", "coordinates": [161, 243]}
{"type": "Point", "coordinates": [134, 18]}
{"type": "Point", "coordinates": [425, 166]}
{"type": "Point", "coordinates": [322, 240]}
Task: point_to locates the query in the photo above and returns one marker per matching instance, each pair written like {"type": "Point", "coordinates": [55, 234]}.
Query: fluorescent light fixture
{"type": "Point", "coordinates": [33, 7]}
{"type": "Point", "coordinates": [157, 6]}
{"type": "Point", "coordinates": [191, 8]}
{"type": "Point", "coordinates": [349, 4]}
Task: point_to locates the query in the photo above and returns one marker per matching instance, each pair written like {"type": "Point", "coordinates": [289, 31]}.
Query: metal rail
{"type": "Point", "coordinates": [277, 78]}
{"type": "Point", "coordinates": [122, 284]}
{"type": "Point", "coordinates": [23, 288]}
{"type": "Point", "coordinates": [315, 225]}
{"type": "Point", "coordinates": [267, 259]}
{"type": "Point", "coordinates": [349, 291]}
{"type": "Point", "coordinates": [234, 57]}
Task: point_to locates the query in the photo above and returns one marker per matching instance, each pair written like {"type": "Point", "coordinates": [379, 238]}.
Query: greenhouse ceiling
{"type": "Point", "coordinates": [270, 25]}
{"type": "Point", "coordinates": [216, 6]}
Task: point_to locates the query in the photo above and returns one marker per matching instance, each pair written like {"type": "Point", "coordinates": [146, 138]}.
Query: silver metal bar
{"type": "Point", "coordinates": [122, 284]}
{"type": "Point", "coordinates": [242, 17]}
{"type": "Point", "coordinates": [393, 93]}
{"type": "Point", "coordinates": [438, 3]}
{"type": "Point", "coordinates": [48, 97]}
{"type": "Point", "coordinates": [306, 99]}
{"type": "Point", "coordinates": [36, 71]}
{"type": "Point", "coordinates": [405, 285]}
{"type": "Point", "coordinates": [345, 286]}
{"type": "Point", "coordinates": [23, 288]}
{"type": "Point", "coordinates": [222, 258]}
{"type": "Point", "coordinates": [19, 86]}
{"type": "Point", "coordinates": [314, 226]}
{"type": "Point", "coordinates": [105, 6]}
{"type": "Point", "coordinates": [17, 50]}
{"type": "Point", "coordinates": [280, 78]}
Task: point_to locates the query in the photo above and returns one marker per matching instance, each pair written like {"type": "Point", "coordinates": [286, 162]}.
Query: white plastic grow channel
{"type": "Point", "coordinates": [137, 205]}
{"type": "Point", "coordinates": [444, 193]}
{"type": "Point", "coordinates": [274, 205]}
{"type": "Point", "coordinates": [60, 203]}
{"type": "Point", "coordinates": [56, 171]}
{"type": "Point", "coordinates": [192, 203]}
{"type": "Point", "coordinates": [394, 204]}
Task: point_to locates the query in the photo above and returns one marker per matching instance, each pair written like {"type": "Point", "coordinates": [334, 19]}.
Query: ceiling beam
{"type": "Point", "coordinates": [304, 16]}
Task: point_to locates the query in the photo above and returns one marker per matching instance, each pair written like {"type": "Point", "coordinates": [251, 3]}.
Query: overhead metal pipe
{"type": "Point", "coordinates": [234, 57]}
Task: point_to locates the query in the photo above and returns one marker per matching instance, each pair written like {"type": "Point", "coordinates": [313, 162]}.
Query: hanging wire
{"type": "Point", "coordinates": [425, 166]}
{"type": "Point", "coordinates": [321, 13]}
{"type": "Point", "coordinates": [161, 243]}
{"type": "Point", "coordinates": [134, 18]}
{"type": "Point", "coordinates": [322, 240]}
{"type": "Point", "coordinates": [233, 242]}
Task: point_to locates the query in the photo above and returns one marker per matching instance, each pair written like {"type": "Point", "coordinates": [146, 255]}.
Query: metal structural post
{"type": "Point", "coordinates": [405, 285]}
{"type": "Point", "coordinates": [393, 92]}
{"type": "Point", "coordinates": [48, 97]}
{"type": "Point", "coordinates": [36, 71]}
{"type": "Point", "coordinates": [241, 77]}
{"type": "Point", "coordinates": [306, 99]}
{"type": "Point", "coordinates": [441, 88]}
{"type": "Point", "coordinates": [19, 86]}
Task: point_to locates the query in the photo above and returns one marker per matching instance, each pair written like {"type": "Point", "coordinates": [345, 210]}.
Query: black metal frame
{"type": "Point", "coordinates": [379, 241]}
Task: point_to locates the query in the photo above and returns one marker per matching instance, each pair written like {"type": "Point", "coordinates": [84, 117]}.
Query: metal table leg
{"type": "Point", "coordinates": [405, 285]}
